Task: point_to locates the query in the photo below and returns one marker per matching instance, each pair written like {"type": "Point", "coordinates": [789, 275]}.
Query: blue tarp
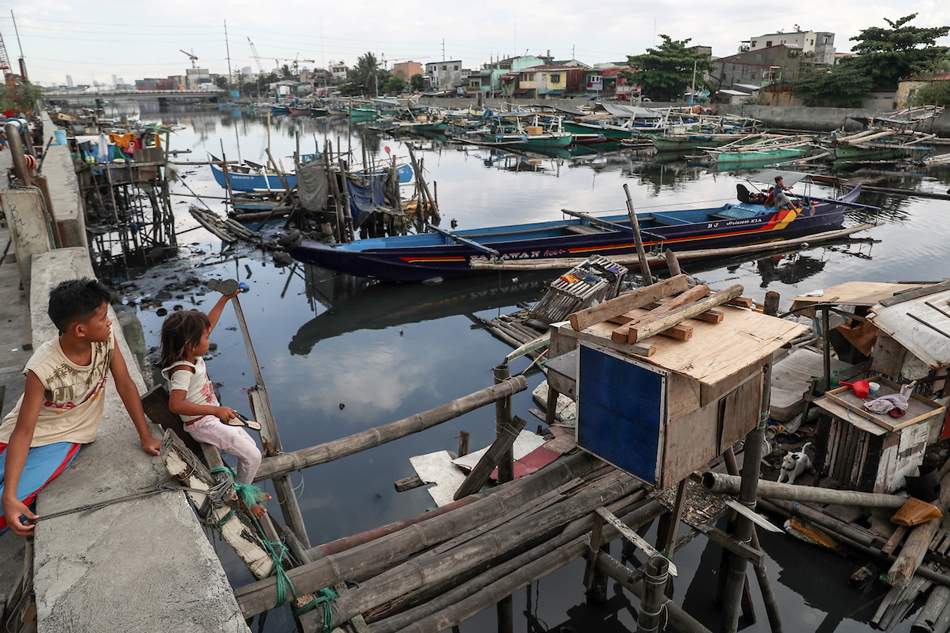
{"type": "Point", "coordinates": [365, 199]}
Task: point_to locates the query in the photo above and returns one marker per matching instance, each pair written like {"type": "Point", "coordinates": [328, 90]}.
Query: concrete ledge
{"type": "Point", "coordinates": [142, 565]}
{"type": "Point", "coordinates": [64, 189]}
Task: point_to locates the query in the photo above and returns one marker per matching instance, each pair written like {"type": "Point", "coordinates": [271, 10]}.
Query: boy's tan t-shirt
{"type": "Point", "coordinates": [73, 403]}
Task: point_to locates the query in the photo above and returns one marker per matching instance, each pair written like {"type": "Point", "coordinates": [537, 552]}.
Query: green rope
{"type": "Point", "coordinates": [250, 495]}
{"type": "Point", "coordinates": [324, 596]}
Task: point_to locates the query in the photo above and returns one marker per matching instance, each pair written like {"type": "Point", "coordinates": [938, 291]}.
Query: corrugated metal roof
{"type": "Point", "coordinates": [920, 324]}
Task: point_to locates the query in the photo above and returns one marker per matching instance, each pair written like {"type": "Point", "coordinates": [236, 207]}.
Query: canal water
{"type": "Point", "coordinates": [339, 356]}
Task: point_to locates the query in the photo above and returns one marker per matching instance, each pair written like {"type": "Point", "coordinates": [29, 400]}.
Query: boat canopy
{"type": "Point", "coordinates": [768, 176]}
{"type": "Point", "coordinates": [629, 112]}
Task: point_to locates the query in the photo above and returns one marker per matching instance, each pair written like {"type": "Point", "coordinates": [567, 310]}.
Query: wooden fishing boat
{"type": "Point", "coordinates": [761, 156]}
{"type": "Point", "coordinates": [444, 254]}
{"type": "Point", "coordinates": [299, 111]}
{"type": "Point", "coordinates": [250, 181]}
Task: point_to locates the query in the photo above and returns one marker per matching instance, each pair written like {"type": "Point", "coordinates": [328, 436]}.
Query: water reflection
{"type": "Point", "coordinates": [354, 304]}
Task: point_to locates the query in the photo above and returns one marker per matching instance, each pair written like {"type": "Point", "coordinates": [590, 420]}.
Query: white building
{"type": "Point", "coordinates": [69, 81]}
{"type": "Point", "coordinates": [819, 45]}
{"type": "Point", "coordinates": [445, 75]}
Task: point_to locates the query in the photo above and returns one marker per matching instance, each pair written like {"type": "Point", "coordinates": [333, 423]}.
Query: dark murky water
{"type": "Point", "coordinates": [338, 359]}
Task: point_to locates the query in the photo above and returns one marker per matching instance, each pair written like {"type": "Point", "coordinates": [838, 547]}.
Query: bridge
{"type": "Point", "coordinates": [107, 96]}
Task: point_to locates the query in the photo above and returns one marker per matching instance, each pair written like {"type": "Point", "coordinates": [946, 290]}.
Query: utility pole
{"type": "Point", "coordinates": [20, 45]}
{"type": "Point", "coordinates": [692, 91]}
{"type": "Point", "coordinates": [443, 49]}
{"type": "Point", "coordinates": [227, 47]}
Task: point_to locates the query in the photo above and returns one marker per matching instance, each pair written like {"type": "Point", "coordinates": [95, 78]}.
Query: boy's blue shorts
{"type": "Point", "coordinates": [43, 464]}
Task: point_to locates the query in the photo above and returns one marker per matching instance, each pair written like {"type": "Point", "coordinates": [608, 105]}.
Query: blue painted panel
{"type": "Point", "coordinates": [620, 410]}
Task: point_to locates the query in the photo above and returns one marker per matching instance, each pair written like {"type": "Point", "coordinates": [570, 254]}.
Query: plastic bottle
{"type": "Point", "coordinates": [835, 379]}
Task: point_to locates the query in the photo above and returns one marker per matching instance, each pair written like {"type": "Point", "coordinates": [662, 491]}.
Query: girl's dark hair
{"type": "Point", "coordinates": [75, 301]}
{"type": "Point", "coordinates": [181, 329]}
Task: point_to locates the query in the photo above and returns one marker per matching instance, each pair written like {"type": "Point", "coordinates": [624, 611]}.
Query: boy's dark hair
{"type": "Point", "coordinates": [181, 329]}
{"type": "Point", "coordinates": [75, 301]}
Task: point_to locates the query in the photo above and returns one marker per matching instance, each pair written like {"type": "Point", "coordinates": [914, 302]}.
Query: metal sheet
{"type": "Point", "coordinates": [921, 328]}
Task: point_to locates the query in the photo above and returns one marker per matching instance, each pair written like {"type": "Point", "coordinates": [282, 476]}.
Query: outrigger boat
{"type": "Point", "coordinates": [446, 254]}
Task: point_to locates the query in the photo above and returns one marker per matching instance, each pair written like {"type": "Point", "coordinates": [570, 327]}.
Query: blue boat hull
{"type": "Point", "coordinates": [250, 182]}
{"type": "Point", "coordinates": [432, 255]}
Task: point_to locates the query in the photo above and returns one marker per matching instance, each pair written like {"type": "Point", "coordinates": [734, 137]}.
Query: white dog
{"type": "Point", "coordinates": [794, 465]}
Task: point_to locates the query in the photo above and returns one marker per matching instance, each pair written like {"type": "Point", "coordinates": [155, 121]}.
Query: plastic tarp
{"type": "Point", "coordinates": [630, 112]}
{"type": "Point", "coordinates": [364, 199]}
{"type": "Point", "coordinates": [312, 187]}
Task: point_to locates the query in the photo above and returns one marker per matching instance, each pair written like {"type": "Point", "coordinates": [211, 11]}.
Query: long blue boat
{"type": "Point", "coordinates": [251, 182]}
{"type": "Point", "coordinates": [443, 254]}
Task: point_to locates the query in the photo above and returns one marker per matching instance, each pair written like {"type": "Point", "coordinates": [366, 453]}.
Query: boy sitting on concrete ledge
{"type": "Point", "coordinates": [62, 405]}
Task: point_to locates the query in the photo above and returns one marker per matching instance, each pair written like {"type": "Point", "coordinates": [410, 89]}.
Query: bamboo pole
{"type": "Point", "coordinates": [655, 576]}
{"type": "Point", "coordinates": [481, 550]}
{"type": "Point", "coordinates": [718, 482]}
{"type": "Point", "coordinates": [635, 228]}
{"type": "Point", "coordinates": [376, 555]}
{"type": "Point", "coordinates": [460, 603]}
{"type": "Point", "coordinates": [322, 453]}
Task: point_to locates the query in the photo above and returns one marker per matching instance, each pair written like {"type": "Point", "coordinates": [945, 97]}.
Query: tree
{"type": "Point", "coordinates": [891, 55]}
{"type": "Point", "coordinates": [935, 93]}
{"type": "Point", "coordinates": [841, 86]}
{"type": "Point", "coordinates": [21, 98]}
{"type": "Point", "coordinates": [285, 72]}
{"type": "Point", "coordinates": [664, 73]}
{"type": "Point", "coordinates": [417, 83]}
{"type": "Point", "coordinates": [221, 82]}
{"type": "Point", "coordinates": [366, 74]}
{"type": "Point", "coordinates": [395, 84]}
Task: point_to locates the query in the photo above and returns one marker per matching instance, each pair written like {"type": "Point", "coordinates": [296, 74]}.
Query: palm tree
{"type": "Point", "coordinates": [366, 73]}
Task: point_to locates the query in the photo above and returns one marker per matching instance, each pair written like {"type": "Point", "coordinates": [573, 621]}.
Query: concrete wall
{"type": "Point", "coordinates": [65, 197]}
{"type": "Point", "coordinates": [142, 565]}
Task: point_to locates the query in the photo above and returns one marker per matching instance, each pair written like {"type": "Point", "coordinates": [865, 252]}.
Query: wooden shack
{"type": "Point", "coordinates": [902, 333]}
{"type": "Point", "coordinates": [664, 406]}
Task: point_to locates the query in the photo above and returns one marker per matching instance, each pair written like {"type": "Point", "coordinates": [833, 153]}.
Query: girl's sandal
{"type": "Point", "coordinates": [240, 420]}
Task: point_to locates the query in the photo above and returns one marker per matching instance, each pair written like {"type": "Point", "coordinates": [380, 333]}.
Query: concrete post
{"type": "Point", "coordinates": [29, 228]}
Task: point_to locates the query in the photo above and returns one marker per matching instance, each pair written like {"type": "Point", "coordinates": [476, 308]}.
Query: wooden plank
{"type": "Point", "coordinates": [492, 458]}
{"type": "Point", "coordinates": [632, 536]}
{"type": "Point", "coordinates": [669, 320]}
{"type": "Point", "coordinates": [638, 349]}
{"type": "Point", "coordinates": [741, 412]}
{"type": "Point", "coordinates": [593, 550]}
{"type": "Point", "coordinates": [688, 442]}
{"type": "Point", "coordinates": [627, 302]}
{"type": "Point", "coordinates": [915, 293]}
{"type": "Point", "coordinates": [621, 334]}
{"type": "Point", "coordinates": [741, 302]}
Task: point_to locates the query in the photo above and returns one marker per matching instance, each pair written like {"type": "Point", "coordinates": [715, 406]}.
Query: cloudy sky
{"type": "Point", "coordinates": [133, 39]}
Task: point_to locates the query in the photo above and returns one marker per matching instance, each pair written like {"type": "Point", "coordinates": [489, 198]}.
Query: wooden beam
{"type": "Point", "coordinates": [620, 334]}
{"type": "Point", "coordinates": [627, 302]}
{"type": "Point", "coordinates": [632, 536]}
{"type": "Point", "coordinates": [674, 318]}
{"type": "Point", "coordinates": [491, 459]}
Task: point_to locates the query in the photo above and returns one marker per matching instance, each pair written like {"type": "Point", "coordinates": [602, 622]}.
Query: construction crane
{"type": "Point", "coordinates": [399, 59]}
{"type": "Point", "coordinates": [260, 67]}
{"type": "Point", "coordinates": [192, 57]}
{"type": "Point", "coordinates": [295, 61]}
{"type": "Point", "coordinates": [8, 75]}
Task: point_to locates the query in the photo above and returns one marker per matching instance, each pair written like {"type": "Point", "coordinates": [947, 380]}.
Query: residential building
{"type": "Point", "coordinates": [546, 82]}
{"type": "Point", "coordinates": [444, 75]}
{"type": "Point", "coordinates": [819, 47]}
{"type": "Point", "coordinates": [758, 67]}
{"type": "Point", "coordinates": [908, 88]}
{"type": "Point", "coordinates": [407, 69]}
{"type": "Point", "coordinates": [605, 81]}
{"type": "Point", "coordinates": [338, 70]}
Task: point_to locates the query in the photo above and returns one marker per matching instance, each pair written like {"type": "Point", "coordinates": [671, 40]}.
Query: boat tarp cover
{"type": "Point", "coordinates": [788, 177]}
{"type": "Point", "coordinates": [312, 187]}
{"type": "Point", "coordinates": [364, 199]}
{"type": "Point", "coordinates": [570, 110]}
{"type": "Point", "coordinates": [629, 112]}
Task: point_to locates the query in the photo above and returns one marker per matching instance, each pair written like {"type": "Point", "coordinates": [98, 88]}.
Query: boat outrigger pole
{"type": "Point", "coordinates": [467, 242]}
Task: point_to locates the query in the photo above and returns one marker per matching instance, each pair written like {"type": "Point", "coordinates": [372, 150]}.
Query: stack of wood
{"type": "Point", "coordinates": [225, 229]}
{"type": "Point", "coordinates": [661, 309]}
{"type": "Point", "coordinates": [594, 281]}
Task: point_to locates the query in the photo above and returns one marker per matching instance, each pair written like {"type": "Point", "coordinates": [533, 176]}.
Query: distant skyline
{"type": "Point", "coordinates": [91, 42]}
